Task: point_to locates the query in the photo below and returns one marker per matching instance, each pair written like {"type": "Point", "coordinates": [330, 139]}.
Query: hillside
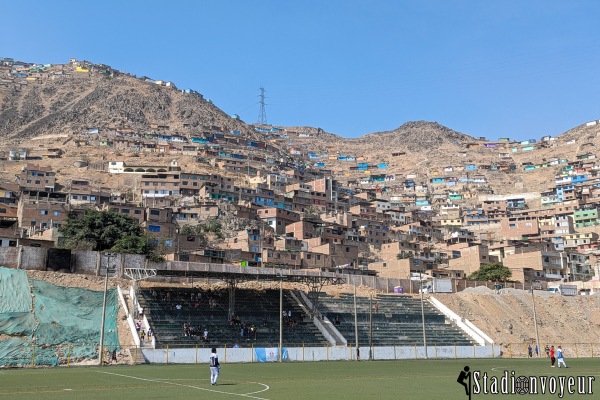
{"type": "Point", "coordinates": [64, 100]}
{"type": "Point", "coordinates": [56, 103]}
{"type": "Point", "coordinates": [508, 317]}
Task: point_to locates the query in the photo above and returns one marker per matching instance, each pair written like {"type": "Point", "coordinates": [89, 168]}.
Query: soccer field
{"type": "Point", "coordinates": [416, 379]}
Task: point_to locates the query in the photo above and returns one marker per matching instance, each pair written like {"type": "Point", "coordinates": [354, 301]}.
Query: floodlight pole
{"type": "Point", "coordinates": [537, 335]}
{"type": "Point", "coordinates": [356, 326]}
{"type": "Point", "coordinates": [108, 256]}
{"type": "Point", "coordinates": [370, 326]}
{"type": "Point", "coordinates": [423, 314]}
{"type": "Point", "coordinates": [280, 275]}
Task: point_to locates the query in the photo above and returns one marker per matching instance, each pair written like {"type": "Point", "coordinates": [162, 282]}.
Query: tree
{"type": "Point", "coordinates": [211, 228]}
{"type": "Point", "coordinates": [104, 230]}
{"type": "Point", "coordinates": [495, 272]}
{"type": "Point", "coordinates": [133, 245]}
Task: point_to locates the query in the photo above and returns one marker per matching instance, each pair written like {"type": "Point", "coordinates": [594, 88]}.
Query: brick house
{"type": "Point", "coordinates": [36, 178]}
{"type": "Point", "coordinates": [277, 218]}
{"type": "Point", "coordinates": [160, 184]}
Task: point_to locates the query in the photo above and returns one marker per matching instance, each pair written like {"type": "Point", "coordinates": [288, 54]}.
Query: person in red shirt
{"type": "Point", "coordinates": [552, 358]}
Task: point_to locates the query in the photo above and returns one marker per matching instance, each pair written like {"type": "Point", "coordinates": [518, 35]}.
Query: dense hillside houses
{"type": "Point", "coordinates": [312, 222]}
{"type": "Point", "coordinates": [303, 198]}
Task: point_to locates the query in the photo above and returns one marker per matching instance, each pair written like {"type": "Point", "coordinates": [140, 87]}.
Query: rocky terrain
{"type": "Point", "coordinates": [72, 104]}
{"type": "Point", "coordinates": [507, 317]}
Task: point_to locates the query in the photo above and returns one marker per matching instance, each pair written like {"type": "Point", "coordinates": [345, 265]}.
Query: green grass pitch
{"type": "Point", "coordinates": [410, 379]}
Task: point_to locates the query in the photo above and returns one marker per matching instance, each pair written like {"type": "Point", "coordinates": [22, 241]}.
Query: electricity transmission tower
{"type": "Point", "coordinates": [262, 113]}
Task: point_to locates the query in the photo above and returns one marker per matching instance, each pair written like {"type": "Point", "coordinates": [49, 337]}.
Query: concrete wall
{"type": "Point", "coordinates": [300, 354]}
{"type": "Point", "coordinates": [85, 262]}
{"type": "Point", "coordinates": [33, 258]}
{"type": "Point", "coordinates": [9, 257]}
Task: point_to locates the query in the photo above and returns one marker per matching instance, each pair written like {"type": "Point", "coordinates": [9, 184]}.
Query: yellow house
{"type": "Point", "coordinates": [79, 68]}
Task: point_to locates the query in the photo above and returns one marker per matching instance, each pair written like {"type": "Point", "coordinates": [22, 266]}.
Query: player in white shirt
{"type": "Point", "coordinates": [214, 367]}
{"type": "Point", "coordinates": [560, 357]}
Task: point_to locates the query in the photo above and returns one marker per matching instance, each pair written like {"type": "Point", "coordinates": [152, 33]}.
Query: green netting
{"type": "Point", "coordinates": [15, 295]}
{"type": "Point", "coordinates": [62, 322]}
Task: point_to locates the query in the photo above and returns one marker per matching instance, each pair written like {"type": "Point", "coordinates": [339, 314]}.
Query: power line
{"type": "Point", "coordinates": [262, 113]}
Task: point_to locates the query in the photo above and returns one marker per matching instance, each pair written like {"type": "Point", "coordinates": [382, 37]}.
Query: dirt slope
{"type": "Point", "coordinates": [508, 317]}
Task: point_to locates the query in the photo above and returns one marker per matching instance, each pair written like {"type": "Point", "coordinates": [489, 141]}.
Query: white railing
{"type": "Point", "coordinates": [130, 321]}
{"type": "Point", "coordinates": [474, 334]}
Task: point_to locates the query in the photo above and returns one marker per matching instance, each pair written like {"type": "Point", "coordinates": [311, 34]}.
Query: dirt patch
{"type": "Point", "coordinates": [507, 316]}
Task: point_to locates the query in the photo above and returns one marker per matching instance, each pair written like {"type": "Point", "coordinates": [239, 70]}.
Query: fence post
{"type": "Point", "coordinates": [33, 355]}
{"type": "Point", "coordinates": [415, 351]}
{"type": "Point", "coordinates": [576, 351]}
{"type": "Point", "coordinates": [69, 356]}
{"type": "Point", "coordinates": [592, 345]}
{"type": "Point", "coordinates": [225, 353]}
{"type": "Point", "coordinates": [474, 351]}
{"type": "Point", "coordinates": [135, 356]}
{"type": "Point", "coordinates": [252, 353]}
{"type": "Point", "coordinates": [167, 354]}
{"type": "Point", "coordinates": [435, 347]}
{"type": "Point", "coordinates": [351, 356]}
{"type": "Point", "coordinates": [327, 351]}
{"type": "Point", "coordinates": [395, 358]}
{"type": "Point", "coordinates": [455, 356]}
{"type": "Point", "coordinates": [509, 351]}
{"type": "Point", "coordinates": [302, 351]}
{"type": "Point", "coordinates": [196, 353]}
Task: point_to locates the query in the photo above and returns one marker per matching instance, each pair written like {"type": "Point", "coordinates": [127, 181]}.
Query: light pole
{"type": "Point", "coordinates": [356, 326]}
{"type": "Point", "coordinates": [280, 276]}
{"type": "Point", "coordinates": [423, 313]}
{"type": "Point", "coordinates": [370, 326]}
{"type": "Point", "coordinates": [108, 269]}
{"type": "Point", "coordinates": [537, 336]}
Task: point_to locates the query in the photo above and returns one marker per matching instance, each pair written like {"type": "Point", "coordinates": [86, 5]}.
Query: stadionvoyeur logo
{"type": "Point", "coordinates": [509, 382]}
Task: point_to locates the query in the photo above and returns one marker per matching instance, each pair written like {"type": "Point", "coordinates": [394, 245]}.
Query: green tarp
{"type": "Point", "coordinates": [43, 324]}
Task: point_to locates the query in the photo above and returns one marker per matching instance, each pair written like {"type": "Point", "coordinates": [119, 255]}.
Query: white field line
{"type": "Point", "coordinates": [194, 387]}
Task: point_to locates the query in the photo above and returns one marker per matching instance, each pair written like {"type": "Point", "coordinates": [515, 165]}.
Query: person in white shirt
{"type": "Point", "coordinates": [214, 367]}
{"type": "Point", "coordinates": [560, 357]}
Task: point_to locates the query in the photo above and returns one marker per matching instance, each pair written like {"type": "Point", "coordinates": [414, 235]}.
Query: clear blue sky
{"type": "Point", "coordinates": [504, 68]}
